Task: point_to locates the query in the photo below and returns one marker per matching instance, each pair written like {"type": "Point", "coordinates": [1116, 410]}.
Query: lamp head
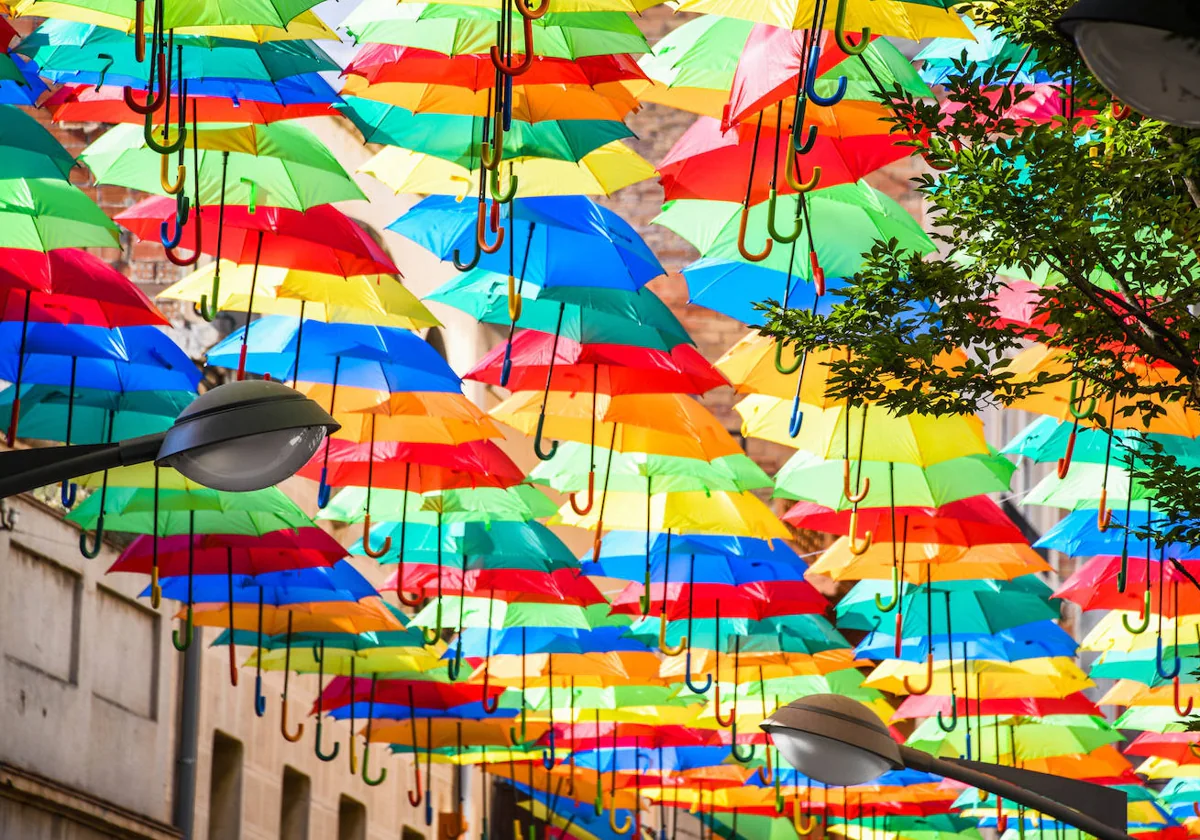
{"type": "Point", "coordinates": [1146, 54]}
{"type": "Point", "coordinates": [833, 739]}
{"type": "Point", "coordinates": [245, 435]}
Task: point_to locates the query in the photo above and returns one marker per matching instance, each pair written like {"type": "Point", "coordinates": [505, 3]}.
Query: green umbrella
{"type": "Point", "coordinates": [614, 697]}
{"type": "Point", "coordinates": [1032, 738]}
{"type": "Point", "coordinates": [453, 137]}
{"type": "Point", "coordinates": [41, 214]}
{"type": "Point", "coordinates": [469, 30]}
{"type": "Point", "coordinates": [63, 46]}
{"type": "Point", "coordinates": [280, 164]}
{"type": "Point", "coordinates": [178, 14]}
{"type": "Point", "coordinates": [810, 478]}
{"type": "Point", "coordinates": [519, 503]}
{"type": "Point", "coordinates": [479, 611]}
{"type": "Point", "coordinates": [132, 510]}
{"type": "Point", "coordinates": [735, 826]}
{"type": "Point", "coordinates": [907, 828]}
{"type": "Point", "coordinates": [30, 150]}
{"type": "Point", "coordinates": [975, 606]}
{"type": "Point", "coordinates": [568, 472]}
{"type": "Point", "coordinates": [1082, 488]}
{"type": "Point", "coordinates": [804, 634]}
{"type": "Point", "coordinates": [1152, 719]}
{"type": "Point", "coordinates": [846, 222]}
{"type": "Point", "coordinates": [591, 315]}
{"type": "Point", "coordinates": [847, 681]}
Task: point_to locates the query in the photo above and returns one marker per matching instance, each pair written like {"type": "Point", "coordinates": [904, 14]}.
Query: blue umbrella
{"type": "Point", "coordinates": [508, 641]}
{"type": "Point", "coordinates": [339, 582]}
{"type": "Point", "coordinates": [1027, 641]}
{"type": "Point", "coordinates": [357, 355]}
{"type": "Point", "coordinates": [26, 92]}
{"type": "Point", "coordinates": [717, 559]}
{"type": "Point", "coordinates": [1078, 536]}
{"type": "Point", "coordinates": [588, 817]}
{"type": "Point", "coordinates": [624, 759]}
{"type": "Point", "coordinates": [393, 711]}
{"type": "Point", "coordinates": [555, 241]}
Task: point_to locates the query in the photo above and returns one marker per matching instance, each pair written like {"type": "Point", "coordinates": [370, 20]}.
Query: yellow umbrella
{"type": "Point", "coordinates": [603, 171]}
{"type": "Point", "coordinates": [140, 475]}
{"type": "Point", "coordinates": [1041, 677]}
{"type": "Point", "coordinates": [381, 660]}
{"type": "Point", "coordinates": [566, 6]}
{"type": "Point", "coordinates": [1157, 767]}
{"type": "Point", "coordinates": [731, 514]}
{"type": "Point", "coordinates": [925, 561]}
{"type": "Point", "coordinates": [530, 103]}
{"type": "Point", "coordinates": [305, 26]}
{"type": "Point", "coordinates": [1072, 398]}
{"type": "Point", "coordinates": [1110, 633]}
{"type": "Point", "coordinates": [873, 433]}
{"type": "Point", "coordinates": [913, 21]}
{"type": "Point", "coordinates": [658, 424]}
{"type": "Point", "coordinates": [377, 299]}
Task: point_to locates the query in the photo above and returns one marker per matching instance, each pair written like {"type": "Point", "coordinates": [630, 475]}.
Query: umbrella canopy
{"type": "Point", "coordinates": [29, 149]}
{"type": "Point", "coordinates": [576, 466]}
{"type": "Point", "coordinates": [216, 554]}
{"type": "Point", "coordinates": [730, 514]}
{"type": "Point", "coordinates": [906, 20]}
{"type": "Point", "coordinates": [968, 522]}
{"type": "Point", "coordinates": [120, 14]}
{"type": "Point", "coordinates": [42, 214]}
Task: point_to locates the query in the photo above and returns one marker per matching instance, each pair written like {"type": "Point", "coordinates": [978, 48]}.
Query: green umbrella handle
{"type": "Point", "coordinates": [469, 264]}
{"type": "Point", "coordinates": [502, 196]}
{"type": "Point", "coordinates": [167, 146]}
{"type": "Point", "coordinates": [542, 454]}
{"type": "Point", "coordinates": [787, 370]}
{"type": "Point", "coordinates": [492, 152]}
{"type": "Point", "coordinates": [953, 724]}
{"type": "Point", "coordinates": [1089, 407]}
{"type": "Point", "coordinates": [772, 208]}
{"type": "Point", "coordinates": [803, 147]}
{"type": "Point", "coordinates": [894, 601]}
{"type": "Point", "coordinates": [183, 642]}
{"type": "Point", "coordinates": [840, 33]}
{"type": "Point", "coordinates": [252, 204]}
{"type": "Point", "coordinates": [1143, 618]}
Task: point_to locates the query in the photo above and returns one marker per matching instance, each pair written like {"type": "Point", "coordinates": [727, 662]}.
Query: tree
{"type": "Point", "coordinates": [1102, 210]}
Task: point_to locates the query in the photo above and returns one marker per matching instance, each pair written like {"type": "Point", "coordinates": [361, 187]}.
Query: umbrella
{"type": "Point", "coordinates": [907, 20]}
{"type": "Point", "coordinates": [29, 149]}
{"type": "Point", "coordinates": [42, 214]}
{"type": "Point", "coordinates": [128, 16]}
{"type": "Point", "coordinates": [574, 469]}
{"type": "Point", "coordinates": [86, 415]}
{"type": "Point", "coordinates": [973, 521]}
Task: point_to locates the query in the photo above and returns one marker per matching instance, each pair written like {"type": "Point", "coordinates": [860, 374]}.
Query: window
{"type": "Point", "coordinates": [411, 834]}
{"type": "Point", "coordinates": [225, 789]}
{"type": "Point", "coordinates": [352, 819]}
{"type": "Point", "coordinates": [294, 807]}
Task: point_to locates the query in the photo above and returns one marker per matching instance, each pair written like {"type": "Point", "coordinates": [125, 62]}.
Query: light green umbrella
{"type": "Point", "coordinates": [279, 164]}
{"type": "Point", "coordinates": [176, 14]}
{"type": "Point", "coordinates": [136, 510]}
{"type": "Point", "coordinates": [519, 503]}
{"type": "Point", "coordinates": [847, 221]}
{"type": "Point", "coordinates": [40, 214]}
{"type": "Point", "coordinates": [632, 472]}
{"type": "Point", "coordinates": [468, 30]}
{"type": "Point", "coordinates": [1029, 738]}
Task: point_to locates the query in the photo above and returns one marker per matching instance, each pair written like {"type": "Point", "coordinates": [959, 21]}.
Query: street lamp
{"type": "Point", "coordinates": [839, 741]}
{"type": "Point", "coordinates": [239, 436]}
{"type": "Point", "coordinates": [1147, 54]}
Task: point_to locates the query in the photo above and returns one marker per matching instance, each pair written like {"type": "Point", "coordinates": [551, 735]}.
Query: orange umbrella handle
{"type": "Point", "coordinates": [925, 689]}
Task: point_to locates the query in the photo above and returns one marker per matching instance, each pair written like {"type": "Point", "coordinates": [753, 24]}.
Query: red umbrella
{"type": "Point", "coordinates": [342, 691]}
{"type": "Point", "coordinates": [543, 360]}
{"type": "Point", "coordinates": [928, 705]}
{"type": "Point", "coordinates": [772, 61]}
{"type": "Point", "coordinates": [417, 467]}
{"type": "Point", "coordinates": [1173, 746]}
{"type": "Point", "coordinates": [384, 63]}
{"type": "Point", "coordinates": [1110, 583]}
{"type": "Point", "coordinates": [560, 586]}
{"type": "Point", "coordinates": [589, 735]}
{"type": "Point", "coordinates": [211, 554]}
{"type": "Point", "coordinates": [756, 600]}
{"type": "Point", "coordinates": [321, 239]}
{"type": "Point", "coordinates": [974, 521]}
{"type": "Point", "coordinates": [708, 162]}
{"type": "Point", "coordinates": [83, 103]}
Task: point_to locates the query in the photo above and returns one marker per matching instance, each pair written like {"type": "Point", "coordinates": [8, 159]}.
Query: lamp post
{"type": "Point", "coordinates": [1147, 54]}
{"type": "Point", "coordinates": [239, 436]}
{"type": "Point", "coordinates": [839, 741]}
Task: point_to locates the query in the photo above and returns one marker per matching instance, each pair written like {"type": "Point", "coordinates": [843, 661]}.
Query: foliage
{"type": "Point", "coordinates": [1101, 213]}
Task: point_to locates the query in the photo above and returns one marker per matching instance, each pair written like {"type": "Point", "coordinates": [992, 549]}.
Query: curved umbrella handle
{"type": "Point", "coordinates": [454, 664]}
{"type": "Point", "coordinates": [260, 701]}
{"type": "Point", "coordinates": [767, 774]}
{"type": "Point", "coordinates": [810, 80]}
{"type": "Point", "coordinates": [67, 492]}
{"type": "Point", "coordinates": [512, 730]}
{"type": "Point", "coordinates": [840, 33]}
{"type": "Point", "coordinates": [184, 262]}
{"type": "Point", "coordinates": [803, 147]}
{"type": "Point", "coordinates": [591, 496]}
{"type": "Point", "coordinates": [796, 421]}
{"type": "Point", "coordinates": [1001, 817]}
{"type": "Point", "coordinates": [456, 258]}
{"type": "Point", "coordinates": [772, 204]}
{"type": "Point", "coordinates": [414, 795]}
{"type": "Point", "coordinates": [687, 677]}
{"type": "Point", "coordinates": [1104, 513]}
{"type": "Point", "coordinates": [430, 635]}
{"type": "Point", "coordinates": [537, 441]}
{"type": "Point", "coordinates": [167, 146]}
{"type": "Point", "coordinates": [152, 103]}
{"type": "Point", "coordinates": [953, 724]}
{"type": "Point", "coordinates": [894, 601]}
{"type": "Point", "coordinates": [787, 370]}
{"type": "Point", "coordinates": [290, 737]}
{"type": "Point", "coordinates": [183, 642]}
{"type": "Point", "coordinates": [736, 750]}
{"type": "Point", "coordinates": [164, 176]}
{"type": "Point", "coordinates": [169, 240]}
{"type": "Point", "coordinates": [502, 196]}
{"type": "Point", "coordinates": [526, 59]}
{"type": "Point", "coordinates": [863, 490]}
{"type": "Point", "coordinates": [1089, 407]}
{"type": "Point", "coordinates": [208, 314]}
{"type": "Point", "coordinates": [1173, 672]}
{"type": "Point", "coordinates": [624, 827]}
{"type": "Point", "coordinates": [514, 300]}
{"type": "Point", "coordinates": [1143, 618]}
{"type": "Point", "coordinates": [481, 229]}
{"type": "Point", "coordinates": [548, 755]}
{"type": "Point", "coordinates": [855, 548]}
{"type": "Point", "coordinates": [540, 12]}
{"type": "Point", "coordinates": [789, 172]}
{"type": "Point", "coordinates": [925, 689]}
{"type": "Point", "coordinates": [1181, 711]}
{"type": "Point", "coordinates": [321, 754]}
{"type": "Point", "coordinates": [730, 719]}
{"type": "Point", "coordinates": [662, 639]}
{"type": "Point", "coordinates": [91, 552]}
{"type": "Point", "coordinates": [802, 827]}
{"type": "Point", "coordinates": [491, 152]}
{"type": "Point", "coordinates": [373, 553]}
{"type": "Point", "coordinates": [1064, 463]}
{"type": "Point", "coordinates": [366, 773]}
{"type": "Point", "coordinates": [741, 242]}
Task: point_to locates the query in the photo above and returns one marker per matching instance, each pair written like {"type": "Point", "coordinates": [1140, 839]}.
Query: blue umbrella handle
{"type": "Point", "coordinates": [66, 494]}
{"type": "Point", "coordinates": [1158, 662]}
{"type": "Point", "coordinates": [172, 240]}
{"type": "Point", "coordinates": [506, 368]}
{"type": "Point", "coordinates": [797, 418]}
{"type": "Point", "coordinates": [548, 755]}
{"type": "Point", "coordinates": [260, 702]}
{"type": "Point", "coordinates": [428, 810]}
{"type": "Point", "coordinates": [323, 490]}
{"type": "Point", "coordinates": [810, 82]}
{"type": "Point", "coordinates": [688, 677]}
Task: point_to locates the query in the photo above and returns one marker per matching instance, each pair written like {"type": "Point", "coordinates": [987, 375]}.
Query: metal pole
{"type": "Point", "coordinates": [183, 809]}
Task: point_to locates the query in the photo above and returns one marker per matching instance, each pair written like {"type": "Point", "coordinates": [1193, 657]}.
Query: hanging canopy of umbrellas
{"type": "Point", "coordinates": [617, 690]}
